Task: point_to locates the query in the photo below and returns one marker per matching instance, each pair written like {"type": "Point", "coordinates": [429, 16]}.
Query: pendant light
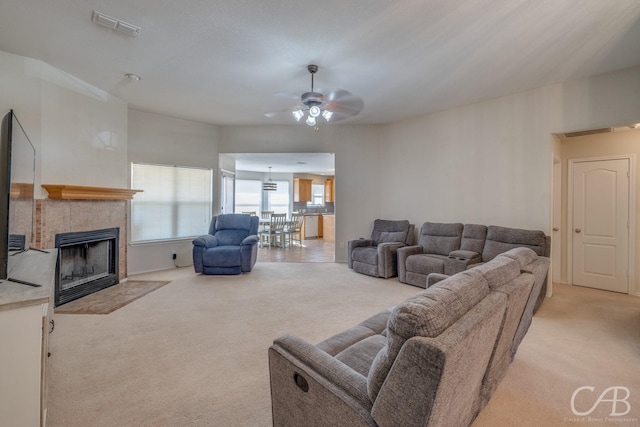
{"type": "Point", "coordinates": [269, 185]}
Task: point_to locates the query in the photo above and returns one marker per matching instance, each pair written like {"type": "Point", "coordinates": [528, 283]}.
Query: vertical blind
{"type": "Point", "coordinates": [176, 202]}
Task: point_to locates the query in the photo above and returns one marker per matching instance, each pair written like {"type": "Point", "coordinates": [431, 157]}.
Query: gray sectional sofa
{"type": "Point", "coordinates": [433, 360]}
{"type": "Point", "coordinates": [448, 248]}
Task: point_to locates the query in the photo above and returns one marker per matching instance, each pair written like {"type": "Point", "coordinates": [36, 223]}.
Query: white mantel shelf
{"type": "Point", "coordinates": [75, 192]}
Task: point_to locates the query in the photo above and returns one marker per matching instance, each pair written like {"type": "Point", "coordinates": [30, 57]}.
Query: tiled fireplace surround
{"type": "Point", "coordinates": [54, 216]}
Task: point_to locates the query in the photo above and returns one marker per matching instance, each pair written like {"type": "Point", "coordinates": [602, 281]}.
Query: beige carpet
{"type": "Point", "coordinates": [194, 352]}
{"type": "Point", "coordinates": [110, 299]}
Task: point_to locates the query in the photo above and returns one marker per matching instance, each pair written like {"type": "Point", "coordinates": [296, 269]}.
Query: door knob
{"type": "Point", "coordinates": [555, 229]}
{"type": "Point", "coordinates": [578, 230]}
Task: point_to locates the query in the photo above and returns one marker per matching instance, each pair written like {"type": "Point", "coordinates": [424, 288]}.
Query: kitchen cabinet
{"type": "Point", "coordinates": [25, 323]}
{"type": "Point", "coordinates": [320, 225]}
{"type": "Point", "coordinates": [329, 190]}
{"type": "Point", "coordinates": [328, 228]}
{"type": "Point", "coordinates": [302, 190]}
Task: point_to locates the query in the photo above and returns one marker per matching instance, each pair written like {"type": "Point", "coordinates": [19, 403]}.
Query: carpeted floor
{"type": "Point", "coordinates": [194, 352]}
{"type": "Point", "coordinates": [110, 299]}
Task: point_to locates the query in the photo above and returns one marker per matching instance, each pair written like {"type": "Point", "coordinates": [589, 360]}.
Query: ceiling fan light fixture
{"type": "Point", "coordinates": [314, 111]}
{"type": "Point", "coordinates": [327, 114]}
{"type": "Point", "coordinates": [298, 114]}
{"type": "Point", "coordinates": [311, 121]}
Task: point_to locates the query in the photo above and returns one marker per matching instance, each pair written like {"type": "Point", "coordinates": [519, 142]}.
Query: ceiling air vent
{"type": "Point", "coordinates": [115, 24]}
{"type": "Point", "coordinates": [588, 132]}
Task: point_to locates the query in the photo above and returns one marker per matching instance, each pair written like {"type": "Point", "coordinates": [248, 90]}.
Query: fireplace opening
{"type": "Point", "coordinates": [87, 263]}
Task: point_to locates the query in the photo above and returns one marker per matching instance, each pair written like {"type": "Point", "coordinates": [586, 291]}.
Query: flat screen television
{"type": "Point", "coordinates": [17, 172]}
{"type": "Point", "coordinates": [5, 188]}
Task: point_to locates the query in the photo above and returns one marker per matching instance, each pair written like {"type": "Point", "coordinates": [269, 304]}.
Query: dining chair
{"type": "Point", "coordinates": [294, 228]}
{"type": "Point", "coordinates": [275, 231]}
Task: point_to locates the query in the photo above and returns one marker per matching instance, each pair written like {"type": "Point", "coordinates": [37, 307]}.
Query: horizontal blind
{"type": "Point", "coordinates": [176, 202]}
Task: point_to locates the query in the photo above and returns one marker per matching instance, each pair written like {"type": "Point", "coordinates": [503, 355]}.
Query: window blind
{"type": "Point", "coordinates": [176, 202]}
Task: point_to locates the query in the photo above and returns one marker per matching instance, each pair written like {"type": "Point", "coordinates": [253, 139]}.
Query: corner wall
{"type": "Point", "coordinates": [158, 139]}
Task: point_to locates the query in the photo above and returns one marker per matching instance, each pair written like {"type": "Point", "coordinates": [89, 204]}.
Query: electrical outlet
{"type": "Point", "coordinates": [173, 255]}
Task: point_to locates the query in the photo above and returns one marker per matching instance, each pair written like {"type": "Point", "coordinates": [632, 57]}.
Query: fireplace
{"type": "Point", "coordinates": [87, 263]}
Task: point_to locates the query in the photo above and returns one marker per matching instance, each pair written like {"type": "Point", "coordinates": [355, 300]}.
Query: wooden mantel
{"type": "Point", "coordinates": [77, 192]}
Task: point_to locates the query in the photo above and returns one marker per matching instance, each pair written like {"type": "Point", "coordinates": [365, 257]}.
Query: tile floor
{"type": "Point", "coordinates": [312, 250]}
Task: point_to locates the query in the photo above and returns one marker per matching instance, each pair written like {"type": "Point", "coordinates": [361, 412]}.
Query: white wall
{"type": "Point", "coordinates": [357, 163]}
{"type": "Point", "coordinates": [65, 120]}
{"type": "Point", "coordinates": [84, 133]}
{"type": "Point", "coordinates": [159, 139]}
{"type": "Point", "coordinates": [491, 163]}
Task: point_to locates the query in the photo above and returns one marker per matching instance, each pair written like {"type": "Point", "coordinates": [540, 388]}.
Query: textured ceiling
{"type": "Point", "coordinates": [221, 62]}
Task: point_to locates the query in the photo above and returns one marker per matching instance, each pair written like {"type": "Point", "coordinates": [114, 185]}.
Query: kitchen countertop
{"type": "Point", "coordinates": [32, 267]}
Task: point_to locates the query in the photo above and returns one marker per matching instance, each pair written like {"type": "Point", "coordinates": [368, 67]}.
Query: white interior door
{"type": "Point", "coordinates": [600, 236]}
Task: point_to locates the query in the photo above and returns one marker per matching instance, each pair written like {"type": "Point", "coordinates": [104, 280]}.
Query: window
{"type": "Point", "coordinates": [248, 196]}
{"type": "Point", "coordinates": [317, 194]}
{"type": "Point", "coordinates": [175, 202]}
{"type": "Point", "coordinates": [278, 200]}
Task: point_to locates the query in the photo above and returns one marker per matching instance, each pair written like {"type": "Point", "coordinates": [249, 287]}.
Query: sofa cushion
{"type": "Point", "coordinates": [473, 237]}
{"type": "Point", "coordinates": [427, 314]}
{"type": "Point", "coordinates": [498, 272]}
{"type": "Point", "coordinates": [222, 256]}
{"type": "Point", "coordinates": [502, 239]}
{"type": "Point", "coordinates": [393, 236]}
{"type": "Point", "coordinates": [425, 264]}
{"type": "Point", "coordinates": [375, 325]}
{"type": "Point", "coordinates": [367, 255]}
{"type": "Point", "coordinates": [523, 256]}
{"type": "Point", "coordinates": [385, 225]}
{"type": "Point", "coordinates": [231, 237]}
{"type": "Point", "coordinates": [360, 355]}
{"type": "Point", "coordinates": [233, 221]}
{"type": "Point", "coordinates": [430, 312]}
{"type": "Point", "coordinates": [440, 238]}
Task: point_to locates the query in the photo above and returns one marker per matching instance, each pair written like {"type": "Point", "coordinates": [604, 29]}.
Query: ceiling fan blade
{"type": "Point", "coordinates": [282, 113]}
{"type": "Point", "coordinates": [344, 102]}
{"type": "Point", "coordinates": [287, 95]}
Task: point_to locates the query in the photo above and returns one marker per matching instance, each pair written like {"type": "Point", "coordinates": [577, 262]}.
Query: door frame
{"type": "Point", "coordinates": [631, 216]}
{"type": "Point", "coordinates": [231, 175]}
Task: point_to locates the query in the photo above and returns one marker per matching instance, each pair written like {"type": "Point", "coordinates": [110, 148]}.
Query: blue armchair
{"type": "Point", "coordinates": [231, 247]}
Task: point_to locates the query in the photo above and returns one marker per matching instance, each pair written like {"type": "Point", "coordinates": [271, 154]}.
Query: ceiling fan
{"type": "Point", "coordinates": [331, 106]}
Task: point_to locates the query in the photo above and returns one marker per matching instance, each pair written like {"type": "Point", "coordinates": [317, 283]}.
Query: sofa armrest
{"type": "Point", "coordinates": [357, 243]}
{"type": "Point", "coordinates": [460, 260]}
{"type": "Point", "coordinates": [388, 258]}
{"type": "Point", "coordinates": [250, 240]}
{"type": "Point", "coordinates": [308, 382]}
{"type": "Point", "coordinates": [434, 278]}
{"type": "Point", "coordinates": [465, 255]}
{"type": "Point", "coordinates": [402, 254]}
{"type": "Point", "coordinates": [207, 241]}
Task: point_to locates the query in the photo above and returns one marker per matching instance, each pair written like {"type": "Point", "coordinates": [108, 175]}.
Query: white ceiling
{"type": "Point", "coordinates": [312, 163]}
{"type": "Point", "coordinates": [220, 62]}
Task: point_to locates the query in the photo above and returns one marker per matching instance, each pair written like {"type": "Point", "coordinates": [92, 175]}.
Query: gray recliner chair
{"type": "Point", "coordinates": [377, 256]}
{"type": "Point", "coordinates": [445, 248]}
{"type": "Point", "coordinates": [231, 247]}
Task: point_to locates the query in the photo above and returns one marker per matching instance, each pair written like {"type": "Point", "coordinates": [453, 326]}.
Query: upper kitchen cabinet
{"type": "Point", "coordinates": [302, 190]}
{"type": "Point", "coordinates": [329, 190]}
